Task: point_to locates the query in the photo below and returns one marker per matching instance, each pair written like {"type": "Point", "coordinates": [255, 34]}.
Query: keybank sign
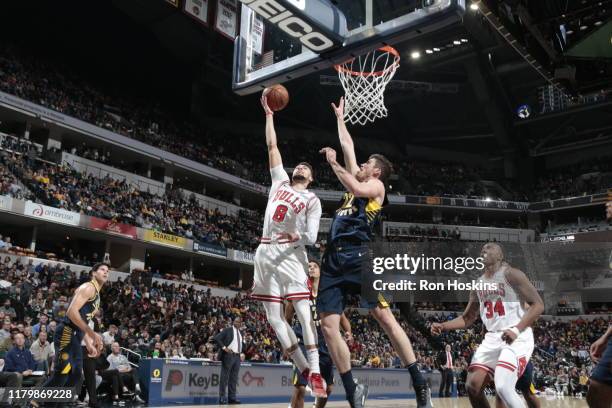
{"type": "Point", "coordinates": [313, 22]}
{"type": "Point", "coordinates": [184, 381]}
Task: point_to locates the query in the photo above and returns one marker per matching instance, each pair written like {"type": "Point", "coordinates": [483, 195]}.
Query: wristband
{"type": "Point", "coordinates": [269, 113]}
{"type": "Point", "coordinates": [515, 330]}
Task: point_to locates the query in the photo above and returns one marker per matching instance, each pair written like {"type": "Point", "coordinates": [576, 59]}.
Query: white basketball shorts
{"type": "Point", "coordinates": [495, 352]}
{"type": "Point", "coordinates": [281, 273]}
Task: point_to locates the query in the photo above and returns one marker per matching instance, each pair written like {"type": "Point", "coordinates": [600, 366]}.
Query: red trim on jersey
{"type": "Point", "coordinates": [262, 298]}
{"type": "Point", "coordinates": [505, 362]}
{"type": "Point", "coordinates": [299, 298]}
{"type": "Point", "coordinates": [506, 367]}
{"type": "Point", "coordinates": [475, 366]}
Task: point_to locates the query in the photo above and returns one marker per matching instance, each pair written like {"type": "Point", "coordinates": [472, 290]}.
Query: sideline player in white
{"type": "Point", "coordinates": [281, 263]}
{"type": "Point", "coordinates": [508, 344]}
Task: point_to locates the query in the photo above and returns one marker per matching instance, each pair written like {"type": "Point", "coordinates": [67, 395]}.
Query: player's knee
{"type": "Point", "coordinates": [384, 317]}
{"type": "Point", "coordinates": [300, 392]}
{"type": "Point", "coordinates": [473, 387]}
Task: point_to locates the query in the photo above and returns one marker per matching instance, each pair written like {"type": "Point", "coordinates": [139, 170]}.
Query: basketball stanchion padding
{"type": "Point", "coordinates": [364, 80]}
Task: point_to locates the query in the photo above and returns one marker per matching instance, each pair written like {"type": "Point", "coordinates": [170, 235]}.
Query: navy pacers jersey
{"type": "Point", "coordinates": [89, 309]}
{"type": "Point", "coordinates": [355, 219]}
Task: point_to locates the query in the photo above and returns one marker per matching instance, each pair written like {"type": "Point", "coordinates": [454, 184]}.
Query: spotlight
{"type": "Point", "coordinates": [488, 199]}
{"type": "Point", "coordinates": [473, 6]}
{"type": "Point", "coordinates": [457, 42]}
{"type": "Point", "coordinates": [598, 23]}
{"type": "Point", "coordinates": [436, 49]}
{"type": "Point", "coordinates": [584, 27]}
{"type": "Point", "coordinates": [464, 40]}
{"type": "Point", "coordinates": [415, 55]}
{"type": "Point", "coordinates": [428, 51]}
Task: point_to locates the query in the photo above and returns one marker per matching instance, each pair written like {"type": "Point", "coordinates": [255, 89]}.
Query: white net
{"type": "Point", "coordinates": [364, 80]}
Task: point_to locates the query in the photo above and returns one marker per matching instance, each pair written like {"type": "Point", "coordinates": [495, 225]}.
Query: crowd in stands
{"type": "Point", "coordinates": [62, 187]}
{"type": "Point", "coordinates": [159, 320]}
{"type": "Point", "coordinates": [57, 88]}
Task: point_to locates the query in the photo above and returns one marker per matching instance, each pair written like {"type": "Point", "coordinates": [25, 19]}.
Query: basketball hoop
{"type": "Point", "coordinates": [364, 80]}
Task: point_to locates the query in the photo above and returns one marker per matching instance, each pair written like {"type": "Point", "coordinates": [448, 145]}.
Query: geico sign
{"type": "Point", "coordinates": [291, 24]}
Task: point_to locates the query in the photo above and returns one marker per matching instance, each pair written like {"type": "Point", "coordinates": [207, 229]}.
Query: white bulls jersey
{"type": "Point", "coordinates": [290, 211]}
{"type": "Point", "coordinates": [499, 309]}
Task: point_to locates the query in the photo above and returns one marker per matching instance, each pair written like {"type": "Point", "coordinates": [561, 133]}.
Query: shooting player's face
{"type": "Point", "coordinates": [302, 172]}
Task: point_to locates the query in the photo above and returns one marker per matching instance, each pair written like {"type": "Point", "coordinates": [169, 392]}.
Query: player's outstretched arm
{"type": "Point", "coordinates": [527, 292]}
{"type": "Point", "coordinates": [372, 188]}
{"type": "Point", "coordinates": [469, 316]}
{"type": "Point", "coordinates": [346, 141]}
{"type": "Point", "coordinates": [274, 155]}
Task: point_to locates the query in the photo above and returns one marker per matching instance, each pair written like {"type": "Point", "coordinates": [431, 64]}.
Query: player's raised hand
{"type": "Point", "coordinates": [339, 110]}
{"type": "Point", "coordinates": [264, 104]}
{"type": "Point", "coordinates": [330, 154]}
{"type": "Point", "coordinates": [598, 348]}
{"type": "Point", "coordinates": [348, 336]}
{"type": "Point", "coordinates": [437, 329]}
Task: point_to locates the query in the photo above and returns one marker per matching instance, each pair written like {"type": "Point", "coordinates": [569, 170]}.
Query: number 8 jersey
{"type": "Point", "coordinates": [290, 211]}
{"type": "Point", "coordinates": [499, 309]}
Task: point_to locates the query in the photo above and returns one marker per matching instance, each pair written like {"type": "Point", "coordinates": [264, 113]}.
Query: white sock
{"type": "Point", "coordinates": [313, 360]}
{"type": "Point", "coordinates": [298, 358]}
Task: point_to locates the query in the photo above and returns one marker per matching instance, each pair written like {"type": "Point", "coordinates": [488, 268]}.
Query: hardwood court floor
{"type": "Point", "coordinates": [547, 402]}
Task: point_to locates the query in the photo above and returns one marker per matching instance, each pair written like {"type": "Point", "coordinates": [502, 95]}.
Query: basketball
{"type": "Point", "coordinates": [278, 97]}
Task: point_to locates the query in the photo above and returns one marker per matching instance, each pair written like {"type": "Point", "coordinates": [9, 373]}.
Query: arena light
{"type": "Point", "coordinates": [436, 49]}
{"type": "Point", "coordinates": [428, 51]}
{"type": "Point", "coordinates": [474, 7]}
{"type": "Point", "coordinates": [457, 42]}
{"type": "Point", "coordinates": [415, 55]}
{"type": "Point", "coordinates": [464, 40]}
{"type": "Point", "coordinates": [488, 199]}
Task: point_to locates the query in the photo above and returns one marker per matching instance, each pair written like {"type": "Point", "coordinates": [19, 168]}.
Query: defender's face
{"type": "Point", "coordinates": [491, 253]}
{"type": "Point", "coordinates": [366, 170]}
{"type": "Point", "coordinates": [303, 171]}
{"type": "Point", "coordinates": [313, 270]}
{"type": "Point", "coordinates": [101, 274]}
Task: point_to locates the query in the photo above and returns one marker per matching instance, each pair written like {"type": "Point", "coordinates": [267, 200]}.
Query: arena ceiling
{"type": "Point", "coordinates": [465, 97]}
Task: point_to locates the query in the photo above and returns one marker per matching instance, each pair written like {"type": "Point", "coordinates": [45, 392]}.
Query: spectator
{"type": "Point", "coordinates": [41, 325]}
{"type": "Point", "coordinates": [8, 310]}
{"type": "Point", "coordinates": [127, 374]}
{"type": "Point", "coordinates": [42, 351]}
{"type": "Point", "coordinates": [20, 360]}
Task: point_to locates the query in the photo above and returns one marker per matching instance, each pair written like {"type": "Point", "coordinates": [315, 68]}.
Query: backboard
{"type": "Point", "coordinates": [281, 40]}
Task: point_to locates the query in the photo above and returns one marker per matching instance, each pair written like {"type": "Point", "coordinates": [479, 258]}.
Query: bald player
{"type": "Point", "coordinates": [508, 344]}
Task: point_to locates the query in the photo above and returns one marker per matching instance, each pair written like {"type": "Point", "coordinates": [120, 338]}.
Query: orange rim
{"type": "Point", "coordinates": [387, 48]}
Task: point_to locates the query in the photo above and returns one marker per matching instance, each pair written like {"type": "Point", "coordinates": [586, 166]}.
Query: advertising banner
{"type": "Point", "coordinates": [51, 214]}
{"type": "Point", "coordinates": [210, 249]}
{"type": "Point", "coordinates": [113, 227]}
{"type": "Point", "coordinates": [193, 381]}
{"type": "Point", "coordinates": [241, 256]}
{"type": "Point", "coordinates": [165, 239]}
{"type": "Point", "coordinates": [6, 203]}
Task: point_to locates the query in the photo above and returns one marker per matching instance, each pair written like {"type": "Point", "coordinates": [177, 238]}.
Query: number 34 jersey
{"type": "Point", "coordinates": [500, 309]}
{"type": "Point", "coordinates": [290, 211]}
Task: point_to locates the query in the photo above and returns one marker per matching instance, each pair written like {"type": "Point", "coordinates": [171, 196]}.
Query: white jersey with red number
{"type": "Point", "coordinates": [290, 211]}
{"type": "Point", "coordinates": [499, 309]}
